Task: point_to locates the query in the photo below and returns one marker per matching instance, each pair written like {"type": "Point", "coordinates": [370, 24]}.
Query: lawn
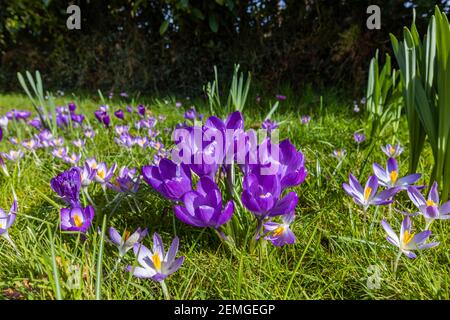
{"type": "Point", "coordinates": [338, 254]}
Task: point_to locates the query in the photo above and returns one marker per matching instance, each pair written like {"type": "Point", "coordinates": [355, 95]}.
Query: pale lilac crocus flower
{"type": "Point", "coordinates": [280, 233]}
{"type": "Point", "coordinates": [6, 221]}
{"type": "Point", "coordinates": [406, 241]}
{"type": "Point", "coordinates": [430, 208]}
{"type": "Point", "coordinates": [13, 155]}
{"type": "Point", "coordinates": [392, 151]}
{"type": "Point", "coordinates": [155, 264]}
{"type": "Point", "coordinates": [368, 196]}
{"type": "Point", "coordinates": [126, 241]}
{"type": "Point", "coordinates": [389, 177]}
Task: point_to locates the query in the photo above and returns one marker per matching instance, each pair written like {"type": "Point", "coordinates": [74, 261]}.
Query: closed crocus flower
{"type": "Point", "coordinates": [169, 179]}
{"type": "Point", "coordinates": [77, 218]}
{"type": "Point", "coordinates": [262, 196]}
{"type": "Point", "coordinates": [429, 208]}
{"type": "Point", "coordinates": [126, 242]}
{"type": "Point", "coordinates": [119, 114]}
{"type": "Point", "coordinates": [203, 207]}
{"type": "Point", "coordinates": [155, 264]}
{"type": "Point", "coordinates": [141, 110]}
{"type": "Point", "coordinates": [368, 196]}
{"type": "Point", "coordinates": [67, 185]}
{"type": "Point", "coordinates": [406, 241]}
{"type": "Point", "coordinates": [389, 177]}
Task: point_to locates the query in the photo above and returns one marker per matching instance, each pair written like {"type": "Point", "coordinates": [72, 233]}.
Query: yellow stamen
{"type": "Point", "coordinates": [78, 221]}
{"type": "Point", "coordinates": [394, 176]}
{"type": "Point", "coordinates": [278, 231]}
{"type": "Point", "coordinates": [407, 237]}
{"type": "Point", "coordinates": [126, 235]}
{"type": "Point", "coordinates": [367, 193]}
{"type": "Point", "coordinates": [156, 262]}
{"type": "Point", "coordinates": [101, 174]}
{"type": "Point", "coordinates": [431, 203]}
{"type": "Point", "coordinates": [392, 151]}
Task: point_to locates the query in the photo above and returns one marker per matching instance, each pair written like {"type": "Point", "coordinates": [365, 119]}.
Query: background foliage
{"type": "Point", "coordinates": [154, 45]}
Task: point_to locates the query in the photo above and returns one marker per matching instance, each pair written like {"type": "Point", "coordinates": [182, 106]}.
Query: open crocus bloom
{"type": "Point", "coordinates": [262, 194]}
{"type": "Point", "coordinates": [7, 219]}
{"type": "Point", "coordinates": [127, 240]}
{"type": "Point", "coordinates": [169, 179]}
{"type": "Point", "coordinates": [155, 264]}
{"type": "Point", "coordinates": [76, 218]}
{"type": "Point", "coordinates": [392, 151]}
{"type": "Point", "coordinates": [407, 242]}
{"type": "Point", "coordinates": [280, 233]}
{"type": "Point", "coordinates": [430, 208]}
{"type": "Point", "coordinates": [389, 177]}
{"type": "Point", "coordinates": [203, 207]}
{"type": "Point", "coordinates": [368, 196]}
{"type": "Point", "coordinates": [103, 174]}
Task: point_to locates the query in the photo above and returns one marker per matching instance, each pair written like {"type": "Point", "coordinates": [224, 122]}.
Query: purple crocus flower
{"type": "Point", "coordinates": [283, 160]}
{"type": "Point", "coordinates": [129, 109]}
{"type": "Point", "coordinates": [359, 137]}
{"type": "Point", "coordinates": [72, 106]}
{"type": "Point", "coordinates": [262, 196]}
{"type": "Point", "coordinates": [305, 119]}
{"type": "Point", "coordinates": [89, 133]}
{"type": "Point", "coordinates": [121, 129]}
{"type": "Point", "coordinates": [103, 175]}
{"type": "Point", "coordinates": [430, 208]}
{"type": "Point", "coordinates": [269, 125]}
{"type": "Point", "coordinates": [87, 175]}
{"type": "Point", "coordinates": [79, 143]}
{"type": "Point", "coordinates": [67, 185]}
{"type": "Point", "coordinates": [124, 95]}
{"type": "Point", "coordinates": [389, 177]}
{"type": "Point", "coordinates": [59, 152]}
{"type": "Point", "coordinates": [280, 97]}
{"type": "Point", "coordinates": [127, 181]}
{"type": "Point", "coordinates": [178, 104]}
{"type": "Point", "coordinates": [103, 116]}
{"type": "Point", "coordinates": [13, 155]}
{"type": "Point", "coordinates": [141, 110]}
{"type": "Point", "coordinates": [368, 196]}
{"type": "Point", "coordinates": [407, 242]}
{"type": "Point", "coordinates": [76, 218]}
{"type": "Point", "coordinates": [77, 118]}
{"type": "Point", "coordinates": [169, 179]}
{"type": "Point", "coordinates": [36, 123]}
{"type": "Point", "coordinates": [7, 220]}
{"type": "Point", "coordinates": [126, 241]}
{"type": "Point", "coordinates": [392, 151]}
{"type": "Point", "coordinates": [141, 142]}
{"type": "Point", "coordinates": [18, 114]}
{"type": "Point", "coordinates": [119, 114]}
{"type": "Point", "coordinates": [125, 140]}
{"type": "Point", "coordinates": [74, 158]}
{"type": "Point", "coordinates": [280, 233]}
{"type": "Point", "coordinates": [190, 114]}
{"type": "Point", "coordinates": [155, 264]}
{"type": "Point", "coordinates": [203, 207]}
{"type": "Point", "coordinates": [30, 144]}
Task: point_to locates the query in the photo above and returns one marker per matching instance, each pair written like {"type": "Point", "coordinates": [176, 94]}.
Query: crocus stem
{"type": "Point", "coordinates": [88, 197]}
{"type": "Point", "coordinates": [8, 238]}
{"type": "Point", "coordinates": [165, 291]}
{"type": "Point", "coordinates": [396, 261]}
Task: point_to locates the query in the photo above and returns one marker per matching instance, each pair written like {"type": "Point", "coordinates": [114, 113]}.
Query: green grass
{"type": "Point", "coordinates": [331, 259]}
